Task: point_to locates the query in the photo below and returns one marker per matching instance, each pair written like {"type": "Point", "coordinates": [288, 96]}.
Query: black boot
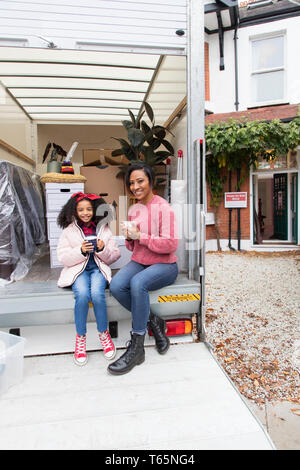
{"type": "Point", "coordinates": [134, 356]}
{"type": "Point", "coordinates": [158, 328]}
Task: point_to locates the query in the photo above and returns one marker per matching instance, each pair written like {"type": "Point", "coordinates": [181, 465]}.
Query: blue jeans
{"type": "Point", "coordinates": [90, 287]}
{"type": "Point", "coordinates": [131, 286]}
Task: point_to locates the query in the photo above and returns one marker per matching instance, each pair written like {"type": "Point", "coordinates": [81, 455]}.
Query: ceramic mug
{"type": "Point", "coordinates": [92, 239]}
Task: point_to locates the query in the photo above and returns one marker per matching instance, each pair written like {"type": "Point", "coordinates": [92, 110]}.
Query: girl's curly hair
{"type": "Point", "coordinates": [68, 211]}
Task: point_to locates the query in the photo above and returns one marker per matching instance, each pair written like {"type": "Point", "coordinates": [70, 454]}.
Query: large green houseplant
{"type": "Point", "coordinates": [143, 144]}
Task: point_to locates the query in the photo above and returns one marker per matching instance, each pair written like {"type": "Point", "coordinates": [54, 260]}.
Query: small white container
{"type": "Point", "coordinates": [11, 360]}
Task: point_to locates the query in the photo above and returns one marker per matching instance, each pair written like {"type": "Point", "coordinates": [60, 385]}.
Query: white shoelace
{"type": "Point", "coordinates": [105, 340]}
{"type": "Point", "coordinates": [80, 345]}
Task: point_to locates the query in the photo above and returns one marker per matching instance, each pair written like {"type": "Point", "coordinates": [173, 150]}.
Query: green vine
{"type": "Point", "coordinates": [238, 145]}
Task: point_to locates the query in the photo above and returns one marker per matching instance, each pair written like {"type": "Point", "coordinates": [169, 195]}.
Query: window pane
{"type": "Point", "coordinates": [268, 86]}
{"type": "Point", "coordinates": [267, 53]}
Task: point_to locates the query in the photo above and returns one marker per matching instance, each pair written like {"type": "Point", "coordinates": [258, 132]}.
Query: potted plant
{"type": "Point", "coordinates": [143, 144]}
{"type": "Point", "coordinates": [53, 165]}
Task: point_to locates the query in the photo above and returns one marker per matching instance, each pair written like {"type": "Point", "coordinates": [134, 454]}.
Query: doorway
{"type": "Point", "coordinates": [275, 208]}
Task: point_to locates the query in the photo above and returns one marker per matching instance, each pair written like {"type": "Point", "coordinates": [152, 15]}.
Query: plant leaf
{"type": "Point", "coordinates": [155, 144]}
{"type": "Point", "coordinates": [162, 154]}
{"type": "Point", "coordinates": [123, 142]}
{"type": "Point", "coordinates": [149, 155]}
{"type": "Point", "coordinates": [159, 132]}
{"type": "Point", "coordinates": [139, 120]}
{"type": "Point", "coordinates": [111, 161]}
{"type": "Point", "coordinates": [168, 146]}
{"type": "Point", "coordinates": [132, 117]}
{"type": "Point", "coordinates": [149, 112]}
{"type": "Point", "coordinates": [117, 152]}
{"type": "Point", "coordinates": [160, 180]}
{"type": "Point", "coordinates": [135, 136]}
{"type": "Point", "coordinates": [127, 124]}
{"type": "Point", "coordinates": [145, 127]}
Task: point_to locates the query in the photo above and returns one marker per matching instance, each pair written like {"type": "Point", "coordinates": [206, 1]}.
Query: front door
{"type": "Point", "coordinates": [280, 206]}
{"type": "Point", "coordinates": [294, 208]}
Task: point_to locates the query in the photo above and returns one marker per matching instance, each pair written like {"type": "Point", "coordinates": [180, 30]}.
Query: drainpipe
{"type": "Point", "coordinates": [238, 177]}
{"type": "Point", "coordinates": [230, 212]}
{"type": "Point", "coordinates": [235, 38]}
{"type": "Point", "coordinates": [236, 76]}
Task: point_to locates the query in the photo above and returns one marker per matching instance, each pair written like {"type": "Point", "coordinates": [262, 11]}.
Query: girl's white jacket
{"type": "Point", "coordinates": [69, 253]}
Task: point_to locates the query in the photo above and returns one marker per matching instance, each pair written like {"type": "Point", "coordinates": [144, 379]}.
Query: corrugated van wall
{"type": "Point", "coordinates": [71, 24]}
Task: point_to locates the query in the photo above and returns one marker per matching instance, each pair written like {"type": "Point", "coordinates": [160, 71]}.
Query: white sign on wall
{"type": "Point", "coordinates": [235, 200]}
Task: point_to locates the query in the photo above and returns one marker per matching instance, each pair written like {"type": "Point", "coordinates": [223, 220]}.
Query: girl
{"type": "Point", "coordinates": [86, 268]}
{"type": "Point", "coordinates": [151, 234]}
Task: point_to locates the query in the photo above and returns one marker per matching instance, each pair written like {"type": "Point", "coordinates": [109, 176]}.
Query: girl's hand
{"type": "Point", "coordinates": [86, 247]}
{"type": "Point", "coordinates": [100, 244]}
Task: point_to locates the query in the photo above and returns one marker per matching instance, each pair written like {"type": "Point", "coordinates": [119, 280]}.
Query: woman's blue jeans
{"type": "Point", "coordinates": [131, 286]}
{"type": "Point", "coordinates": [90, 287]}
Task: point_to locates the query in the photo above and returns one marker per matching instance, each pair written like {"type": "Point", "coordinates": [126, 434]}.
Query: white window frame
{"type": "Point", "coordinates": [254, 73]}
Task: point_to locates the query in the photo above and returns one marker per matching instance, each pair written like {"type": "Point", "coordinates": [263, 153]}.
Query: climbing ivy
{"type": "Point", "coordinates": [238, 145]}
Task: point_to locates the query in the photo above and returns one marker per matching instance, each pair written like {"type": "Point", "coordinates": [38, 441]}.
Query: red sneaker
{"type": "Point", "coordinates": [80, 356]}
{"type": "Point", "coordinates": [107, 345]}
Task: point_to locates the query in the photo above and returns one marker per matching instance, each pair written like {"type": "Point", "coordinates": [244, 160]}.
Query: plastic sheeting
{"type": "Point", "coordinates": [22, 221]}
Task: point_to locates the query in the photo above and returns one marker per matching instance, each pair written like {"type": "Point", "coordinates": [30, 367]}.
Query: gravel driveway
{"type": "Point", "coordinates": [252, 322]}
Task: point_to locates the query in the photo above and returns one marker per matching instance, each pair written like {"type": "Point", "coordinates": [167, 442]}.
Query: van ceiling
{"type": "Point", "coordinates": [65, 86]}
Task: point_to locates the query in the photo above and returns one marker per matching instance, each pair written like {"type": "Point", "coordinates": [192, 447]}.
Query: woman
{"type": "Point", "coordinates": [151, 234]}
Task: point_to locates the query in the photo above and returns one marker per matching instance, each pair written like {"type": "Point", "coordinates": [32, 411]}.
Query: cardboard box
{"type": "Point", "coordinates": [104, 183]}
{"type": "Point", "coordinates": [92, 157]}
{"type": "Point", "coordinates": [95, 156]}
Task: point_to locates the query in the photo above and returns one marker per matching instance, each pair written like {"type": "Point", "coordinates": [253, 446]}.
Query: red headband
{"type": "Point", "coordinates": [91, 197]}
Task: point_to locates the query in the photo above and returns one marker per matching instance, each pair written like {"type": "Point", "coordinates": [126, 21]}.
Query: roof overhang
{"type": "Point", "coordinates": [284, 112]}
{"type": "Point", "coordinates": [221, 16]}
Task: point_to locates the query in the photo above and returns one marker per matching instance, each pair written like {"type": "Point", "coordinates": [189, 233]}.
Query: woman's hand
{"type": "Point", "coordinates": [100, 244]}
{"type": "Point", "coordinates": [130, 231]}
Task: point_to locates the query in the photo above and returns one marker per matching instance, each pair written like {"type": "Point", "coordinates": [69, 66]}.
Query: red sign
{"type": "Point", "coordinates": [235, 200]}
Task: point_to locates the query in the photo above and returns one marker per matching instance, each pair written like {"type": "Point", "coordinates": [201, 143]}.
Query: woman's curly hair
{"type": "Point", "coordinates": [100, 214]}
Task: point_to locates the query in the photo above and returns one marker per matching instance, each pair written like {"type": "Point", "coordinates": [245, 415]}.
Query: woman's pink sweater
{"type": "Point", "coordinates": [159, 236]}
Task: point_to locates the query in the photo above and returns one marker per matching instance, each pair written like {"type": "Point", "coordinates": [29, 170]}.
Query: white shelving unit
{"type": "Point", "coordinates": [57, 194]}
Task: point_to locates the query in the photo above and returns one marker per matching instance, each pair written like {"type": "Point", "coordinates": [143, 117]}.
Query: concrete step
{"type": "Point", "coordinates": [42, 303]}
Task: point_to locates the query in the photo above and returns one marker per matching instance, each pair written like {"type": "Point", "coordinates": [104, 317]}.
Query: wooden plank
{"type": "Point", "coordinates": [16, 152]}
{"type": "Point", "coordinates": [178, 110]}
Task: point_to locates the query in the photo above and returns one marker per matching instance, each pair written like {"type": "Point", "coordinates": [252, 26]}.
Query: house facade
{"type": "Point", "coordinates": [62, 80]}
{"type": "Point", "coordinates": [253, 73]}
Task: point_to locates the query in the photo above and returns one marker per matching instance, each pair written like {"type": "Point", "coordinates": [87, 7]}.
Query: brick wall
{"type": "Point", "coordinates": [223, 214]}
